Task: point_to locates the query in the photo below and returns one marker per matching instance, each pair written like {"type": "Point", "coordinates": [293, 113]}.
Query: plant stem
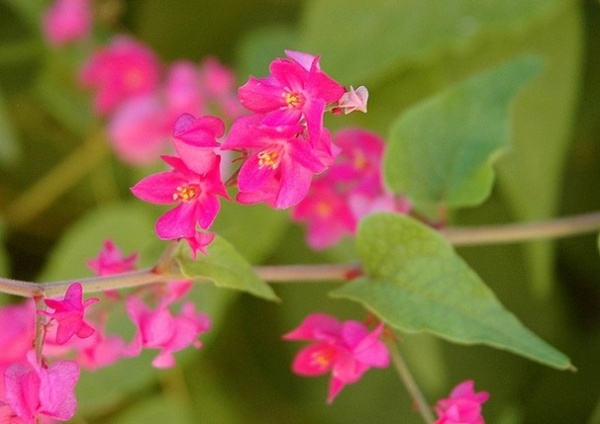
{"type": "Point", "coordinates": [509, 233]}
{"type": "Point", "coordinates": [410, 383]}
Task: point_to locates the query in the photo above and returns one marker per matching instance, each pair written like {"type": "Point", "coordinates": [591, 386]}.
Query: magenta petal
{"type": "Point", "coordinates": [57, 397]}
{"type": "Point", "coordinates": [68, 325]}
{"type": "Point", "coordinates": [253, 177]}
{"type": "Point", "coordinates": [295, 183]}
{"type": "Point", "coordinates": [335, 387]}
{"type": "Point", "coordinates": [261, 95]}
{"type": "Point", "coordinates": [22, 390]}
{"type": "Point", "coordinates": [207, 210]}
{"type": "Point", "coordinates": [200, 132]}
{"type": "Point", "coordinates": [353, 332]}
{"type": "Point", "coordinates": [198, 159]}
{"type": "Point", "coordinates": [313, 112]}
{"type": "Point", "coordinates": [316, 327]}
{"type": "Point", "coordinates": [178, 222]}
{"type": "Point", "coordinates": [314, 360]}
{"type": "Point", "coordinates": [158, 188]}
{"type": "Point", "coordinates": [289, 74]}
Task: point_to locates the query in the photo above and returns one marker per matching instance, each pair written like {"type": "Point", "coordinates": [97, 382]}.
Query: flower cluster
{"type": "Point", "coordinates": [141, 107]}
{"type": "Point", "coordinates": [283, 145]}
{"type": "Point", "coordinates": [31, 387]}
{"type": "Point", "coordinates": [351, 189]}
{"type": "Point", "coordinates": [283, 142]}
{"type": "Point", "coordinates": [155, 111]}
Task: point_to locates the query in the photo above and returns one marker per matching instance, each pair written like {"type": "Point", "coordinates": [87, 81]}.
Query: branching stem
{"type": "Point", "coordinates": [509, 233]}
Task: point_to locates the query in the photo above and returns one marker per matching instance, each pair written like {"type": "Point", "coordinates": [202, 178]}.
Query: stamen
{"type": "Point", "coordinates": [185, 193]}
{"type": "Point", "coordinates": [293, 99]}
{"type": "Point", "coordinates": [269, 157]}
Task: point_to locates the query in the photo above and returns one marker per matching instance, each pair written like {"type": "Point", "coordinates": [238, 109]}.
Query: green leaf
{"type": "Point", "coordinates": [416, 282]}
{"type": "Point", "coordinates": [362, 41]}
{"type": "Point", "coordinates": [271, 223]}
{"type": "Point", "coordinates": [441, 150]}
{"type": "Point", "coordinates": [225, 267]}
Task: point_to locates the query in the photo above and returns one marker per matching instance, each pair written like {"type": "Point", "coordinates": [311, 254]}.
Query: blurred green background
{"type": "Point", "coordinates": [62, 194]}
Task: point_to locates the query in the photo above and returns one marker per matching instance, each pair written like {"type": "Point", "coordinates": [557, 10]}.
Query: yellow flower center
{"type": "Point", "coordinates": [293, 99]}
{"type": "Point", "coordinates": [360, 160]}
{"type": "Point", "coordinates": [185, 193]}
{"type": "Point", "coordinates": [270, 158]}
{"type": "Point", "coordinates": [324, 209]}
{"type": "Point", "coordinates": [323, 357]}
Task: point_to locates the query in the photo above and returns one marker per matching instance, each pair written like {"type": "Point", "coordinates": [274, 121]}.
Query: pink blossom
{"type": "Point", "coordinates": [195, 195]}
{"type": "Point", "coordinates": [111, 261]}
{"type": "Point", "coordinates": [100, 350]}
{"type": "Point", "coordinates": [195, 140]}
{"type": "Point", "coordinates": [351, 189]}
{"type": "Point", "coordinates": [280, 165]}
{"type": "Point", "coordinates": [68, 313]}
{"type": "Point", "coordinates": [18, 331]}
{"type": "Point", "coordinates": [463, 406]}
{"type": "Point", "coordinates": [34, 389]}
{"type": "Point", "coordinates": [294, 91]}
{"type": "Point", "coordinates": [136, 130]}
{"type": "Point", "coordinates": [182, 91]}
{"type": "Point", "coordinates": [326, 213]}
{"type": "Point", "coordinates": [217, 83]}
{"type": "Point", "coordinates": [347, 349]}
{"type": "Point", "coordinates": [159, 329]}
{"type": "Point", "coordinates": [66, 21]}
{"type": "Point", "coordinates": [124, 69]}
{"type": "Point", "coordinates": [353, 100]}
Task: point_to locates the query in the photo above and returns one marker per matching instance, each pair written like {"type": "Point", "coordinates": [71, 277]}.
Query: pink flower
{"type": "Point", "coordinates": [195, 140]}
{"type": "Point", "coordinates": [295, 90]}
{"type": "Point", "coordinates": [463, 406]}
{"type": "Point", "coordinates": [100, 350]}
{"type": "Point", "coordinates": [124, 69]}
{"type": "Point", "coordinates": [111, 261]}
{"type": "Point", "coordinates": [351, 189]}
{"type": "Point", "coordinates": [136, 130]}
{"type": "Point", "coordinates": [159, 329]}
{"type": "Point", "coordinates": [327, 214]}
{"type": "Point", "coordinates": [68, 313]}
{"type": "Point", "coordinates": [195, 195]}
{"type": "Point", "coordinates": [33, 389]}
{"type": "Point", "coordinates": [347, 350]}
{"type": "Point", "coordinates": [183, 91]}
{"type": "Point", "coordinates": [353, 100]}
{"type": "Point", "coordinates": [66, 21]}
{"type": "Point", "coordinates": [280, 166]}
{"type": "Point", "coordinates": [18, 331]}
{"type": "Point", "coordinates": [217, 83]}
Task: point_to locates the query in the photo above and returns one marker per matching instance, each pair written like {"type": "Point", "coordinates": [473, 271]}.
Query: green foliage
{"type": "Point", "coordinates": [224, 266]}
{"type": "Point", "coordinates": [9, 147]}
{"type": "Point", "coordinates": [416, 282]}
{"type": "Point", "coordinates": [360, 43]}
{"type": "Point", "coordinates": [442, 149]}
